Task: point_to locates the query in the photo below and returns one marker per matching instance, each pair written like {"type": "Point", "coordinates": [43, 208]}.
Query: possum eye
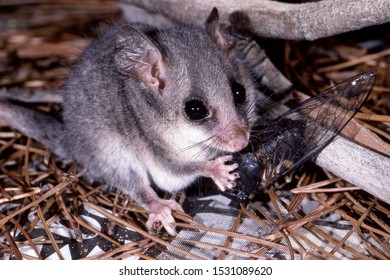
{"type": "Point", "coordinates": [196, 109]}
{"type": "Point", "coordinates": [239, 94]}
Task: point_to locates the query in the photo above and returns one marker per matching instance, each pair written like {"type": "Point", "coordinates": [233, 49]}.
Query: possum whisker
{"type": "Point", "coordinates": [206, 143]}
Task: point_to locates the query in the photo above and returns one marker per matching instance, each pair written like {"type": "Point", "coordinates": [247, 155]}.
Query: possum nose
{"type": "Point", "coordinates": [240, 144]}
{"type": "Point", "coordinates": [239, 141]}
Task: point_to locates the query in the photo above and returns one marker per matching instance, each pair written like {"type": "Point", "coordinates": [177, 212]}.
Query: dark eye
{"type": "Point", "coordinates": [196, 109]}
{"type": "Point", "coordinates": [239, 93]}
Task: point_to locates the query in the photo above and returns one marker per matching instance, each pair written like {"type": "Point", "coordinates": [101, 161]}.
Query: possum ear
{"type": "Point", "coordinates": [221, 34]}
{"type": "Point", "coordinates": [137, 56]}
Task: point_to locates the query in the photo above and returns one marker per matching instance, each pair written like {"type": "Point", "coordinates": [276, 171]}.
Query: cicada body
{"type": "Point", "coordinates": [281, 146]}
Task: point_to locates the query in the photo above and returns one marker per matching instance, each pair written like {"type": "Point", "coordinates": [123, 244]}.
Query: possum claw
{"type": "Point", "coordinates": [160, 213]}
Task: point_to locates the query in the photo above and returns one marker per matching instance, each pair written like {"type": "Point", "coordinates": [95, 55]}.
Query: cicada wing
{"type": "Point", "coordinates": [302, 132]}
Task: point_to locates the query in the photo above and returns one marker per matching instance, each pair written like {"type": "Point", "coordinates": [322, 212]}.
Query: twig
{"type": "Point", "coordinates": [354, 226]}
{"type": "Point", "coordinates": [223, 248]}
{"type": "Point", "coordinates": [20, 196]}
{"type": "Point", "coordinates": [140, 231]}
{"type": "Point", "coordinates": [11, 241]}
{"type": "Point", "coordinates": [236, 235]}
{"type": "Point", "coordinates": [33, 203]}
{"type": "Point", "coordinates": [28, 238]}
{"type": "Point", "coordinates": [355, 61]}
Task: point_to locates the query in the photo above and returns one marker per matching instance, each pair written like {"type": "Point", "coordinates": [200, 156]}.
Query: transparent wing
{"type": "Point", "coordinates": [302, 132]}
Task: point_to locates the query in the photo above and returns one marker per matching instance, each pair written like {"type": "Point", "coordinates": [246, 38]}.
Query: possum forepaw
{"type": "Point", "coordinates": [221, 170]}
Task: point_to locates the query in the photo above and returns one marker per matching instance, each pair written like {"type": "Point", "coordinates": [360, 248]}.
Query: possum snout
{"type": "Point", "coordinates": [234, 139]}
{"type": "Point", "coordinates": [239, 140]}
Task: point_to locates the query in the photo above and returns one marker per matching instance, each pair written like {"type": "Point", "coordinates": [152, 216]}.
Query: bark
{"type": "Point", "coordinates": [307, 21]}
{"type": "Point", "coordinates": [360, 166]}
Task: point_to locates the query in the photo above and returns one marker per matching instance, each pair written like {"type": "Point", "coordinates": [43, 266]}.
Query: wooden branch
{"type": "Point", "coordinates": [362, 167]}
{"type": "Point", "coordinates": [307, 21]}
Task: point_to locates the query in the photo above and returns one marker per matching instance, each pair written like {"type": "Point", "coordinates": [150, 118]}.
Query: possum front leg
{"type": "Point", "coordinates": [221, 170]}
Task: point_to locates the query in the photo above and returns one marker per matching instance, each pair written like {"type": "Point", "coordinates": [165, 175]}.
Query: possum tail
{"type": "Point", "coordinates": [42, 128]}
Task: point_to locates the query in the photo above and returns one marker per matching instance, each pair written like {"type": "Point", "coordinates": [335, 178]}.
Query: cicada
{"type": "Point", "coordinates": [281, 146]}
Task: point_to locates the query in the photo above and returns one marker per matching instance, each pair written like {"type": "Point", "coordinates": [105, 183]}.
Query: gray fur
{"type": "Point", "coordinates": [124, 118]}
{"type": "Point", "coordinates": [133, 135]}
{"type": "Point", "coordinates": [36, 125]}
